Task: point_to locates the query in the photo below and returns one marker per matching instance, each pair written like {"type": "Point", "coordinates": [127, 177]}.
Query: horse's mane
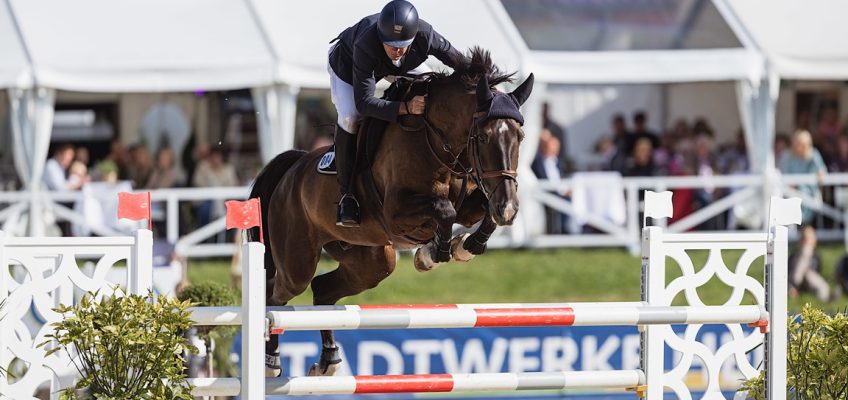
{"type": "Point", "coordinates": [470, 68]}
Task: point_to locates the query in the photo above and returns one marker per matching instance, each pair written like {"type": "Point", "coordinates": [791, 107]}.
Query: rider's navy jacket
{"type": "Point", "coordinates": [359, 59]}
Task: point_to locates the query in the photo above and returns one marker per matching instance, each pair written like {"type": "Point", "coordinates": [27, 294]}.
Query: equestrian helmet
{"type": "Point", "coordinates": [398, 23]}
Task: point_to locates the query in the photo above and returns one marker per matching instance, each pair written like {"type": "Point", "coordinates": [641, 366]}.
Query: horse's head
{"type": "Point", "coordinates": [493, 146]}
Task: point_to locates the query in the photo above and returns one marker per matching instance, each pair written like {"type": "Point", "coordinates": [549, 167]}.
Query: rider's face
{"type": "Point", "coordinates": [394, 53]}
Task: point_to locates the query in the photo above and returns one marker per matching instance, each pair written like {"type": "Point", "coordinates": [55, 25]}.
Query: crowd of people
{"type": "Point", "coordinates": [69, 168]}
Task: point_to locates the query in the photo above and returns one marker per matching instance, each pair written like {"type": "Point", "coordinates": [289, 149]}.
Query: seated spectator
{"type": "Point", "coordinates": [733, 160]}
{"type": "Point", "coordinates": [166, 174]}
{"type": "Point", "coordinates": [78, 174]}
{"type": "Point", "coordinates": [604, 154]}
{"type": "Point", "coordinates": [641, 131]}
{"type": "Point", "coordinates": [213, 171]}
{"type": "Point", "coordinates": [805, 268]}
{"type": "Point", "coordinates": [641, 162]}
{"type": "Point", "coordinates": [839, 162]}
{"type": "Point", "coordinates": [55, 177]}
{"type": "Point", "coordinates": [805, 159]}
{"type": "Point", "coordinates": [140, 166]}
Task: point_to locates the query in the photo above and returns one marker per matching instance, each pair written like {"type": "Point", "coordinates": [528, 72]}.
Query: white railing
{"type": "Point", "coordinates": [751, 189]}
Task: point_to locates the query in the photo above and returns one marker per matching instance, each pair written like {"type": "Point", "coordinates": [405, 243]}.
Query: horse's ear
{"type": "Point", "coordinates": [484, 93]}
{"type": "Point", "coordinates": [523, 92]}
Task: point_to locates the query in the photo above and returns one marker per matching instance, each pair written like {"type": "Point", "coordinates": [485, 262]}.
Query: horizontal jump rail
{"type": "Point", "coordinates": [454, 316]}
{"type": "Point", "coordinates": [231, 315]}
{"type": "Point", "coordinates": [436, 383]}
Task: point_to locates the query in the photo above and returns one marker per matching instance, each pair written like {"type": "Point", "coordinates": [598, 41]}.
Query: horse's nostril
{"type": "Point", "coordinates": [509, 211]}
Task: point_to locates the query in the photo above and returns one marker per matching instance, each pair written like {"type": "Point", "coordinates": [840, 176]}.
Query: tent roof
{"type": "Point", "coordinates": [14, 67]}
{"type": "Point", "coordinates": [802, 39]}
{"type": "Point", "coordinates": [143, 46]}
{"type": "Point", "coordinates": [300, 37]}
{"type": "Point", "coordinates": [187, 45]}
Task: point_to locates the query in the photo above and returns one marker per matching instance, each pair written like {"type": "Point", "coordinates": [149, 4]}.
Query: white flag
{"type": "Point", "coordinates": [785, 211]}
{"type": "Point", "coordinates": [658, 205]}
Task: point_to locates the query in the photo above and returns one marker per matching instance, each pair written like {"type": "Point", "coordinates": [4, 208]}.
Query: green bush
{"type": "Point", "coordinates": [817, 358]}
{"type": "Point", "coordinates": [129, 347]}
{"type": "Point", "coordinates": [213, 294]}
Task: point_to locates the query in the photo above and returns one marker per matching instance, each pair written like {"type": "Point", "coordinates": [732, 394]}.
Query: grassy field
{"type": "Point", "coordinates": [561, 275]}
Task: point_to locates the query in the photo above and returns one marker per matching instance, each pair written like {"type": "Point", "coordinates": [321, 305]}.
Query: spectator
{"type": "Point", "coordinates": [734, 159]}
{"type": "Point", "coordinates": [213, 172]}
{"type": "Point", "coordinates": [781, 147]}
{"type": "Point", "coordinates": [546, 165]}
{"type": "Point", "coordinates": [55, 177]}
{"type": "Point", "coordinates": [805, 159]}
{"type": "Point", "coordinates": [78, 174]}
{"type": "Point", "coordinates": [702, 163]}
{"type": "Point", "coordinates": [805, 268]}
{"type": "Point", "coordinates": [641, 162]}
{"type": "Point", "coordinates": [619, 138]}
{"type": "Point", "coordinates": [557, 132]}
{"type": "Point", "coordinates": [641, 131]}
{"type": "Point", "coordinates": [140, 166]}
{"type": "Point", "coordinates": [118, 159]}
{"type": "Point", "coordinates": [839, 162]}
{"type": "Point", "coordinates": [166, 174]}
{"type": "Point", "coordinates": [604, 154]}
{"type": "Point", "coordinates": [666, 158]}
{"type": "Point", "coordinates": [81, 155]}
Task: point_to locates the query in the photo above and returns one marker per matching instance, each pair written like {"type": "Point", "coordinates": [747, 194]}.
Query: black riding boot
{"type": "Point", "coordinates": [348, 212]}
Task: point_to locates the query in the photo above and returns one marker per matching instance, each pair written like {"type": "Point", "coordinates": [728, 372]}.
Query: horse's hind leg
{"type": "Point", "coordinates": [360, 268]}
{"type": "Point", "coordinates": [298, 261]}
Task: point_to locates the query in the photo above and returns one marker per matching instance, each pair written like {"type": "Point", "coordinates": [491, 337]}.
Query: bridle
{"type": "Point", "coordinates": [455, 166]}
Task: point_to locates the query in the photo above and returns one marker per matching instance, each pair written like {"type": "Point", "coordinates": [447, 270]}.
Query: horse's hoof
{"type": "Point", "coordinates": [272, 372]}
{"type": "Point", "coordinates": [317, 370]}
{"type": "Point", "coordinates": [423, 261]}
{"type": "Point", "coordinates": [458, 250]}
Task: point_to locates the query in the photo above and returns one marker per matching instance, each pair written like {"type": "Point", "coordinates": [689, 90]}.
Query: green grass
{"type": "Point", "coordinates": [560, 275]}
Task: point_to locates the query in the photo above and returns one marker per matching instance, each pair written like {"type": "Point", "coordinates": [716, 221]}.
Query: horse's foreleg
{"type": "Point", "coordinates": [476, 242]}
{"type": "Point", "coordinates": [439, 249]}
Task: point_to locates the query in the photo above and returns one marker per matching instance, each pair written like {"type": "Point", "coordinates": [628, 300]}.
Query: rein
{"type": "Point", "coordinates": [475, 171]}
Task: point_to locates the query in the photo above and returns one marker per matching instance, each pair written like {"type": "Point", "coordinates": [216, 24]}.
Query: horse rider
{"type": "Point", "coordinates": [392, 43]}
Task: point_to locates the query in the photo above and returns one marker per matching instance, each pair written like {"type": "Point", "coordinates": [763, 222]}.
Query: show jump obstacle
{"type": "Point", "coordinates": [54, 278]}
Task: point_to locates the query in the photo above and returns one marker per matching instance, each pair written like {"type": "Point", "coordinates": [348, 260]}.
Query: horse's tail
{"type": "Point", "coordinates": [263, 187]}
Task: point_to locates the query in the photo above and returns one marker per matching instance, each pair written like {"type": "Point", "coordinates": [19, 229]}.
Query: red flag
{"type": "Point", "coordinates": [244, 215]}
{"type": "Point", "coordinates": [134, 206]}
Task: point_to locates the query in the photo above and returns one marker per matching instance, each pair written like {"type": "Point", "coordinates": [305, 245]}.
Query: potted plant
{"type": "Point", "coordinates": [125, 346]}
{"type": "Point", "coordinates": [816, 359]}
{"type": "Point", "coordinates": [217, 338]}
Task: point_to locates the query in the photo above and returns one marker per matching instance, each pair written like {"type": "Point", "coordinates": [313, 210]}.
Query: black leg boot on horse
{"type": "Point", "coordinates": [348, 211]}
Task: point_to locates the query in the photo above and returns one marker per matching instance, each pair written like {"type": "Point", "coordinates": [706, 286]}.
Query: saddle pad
{"type": "Point", "coordinates": [327, 163]}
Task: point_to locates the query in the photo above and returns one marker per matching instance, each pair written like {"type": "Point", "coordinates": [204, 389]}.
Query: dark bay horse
{"type": "Point", "coordinates": [459, 167]}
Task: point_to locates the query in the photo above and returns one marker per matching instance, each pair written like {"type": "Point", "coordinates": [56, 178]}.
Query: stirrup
{"type": "Point", "coordinates": [347, 214]}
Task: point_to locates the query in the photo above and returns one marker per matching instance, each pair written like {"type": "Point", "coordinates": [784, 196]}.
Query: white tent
{"type": "Point", "coordinates": [116, 47]}
{"type": "Point", "coordinates": [276, 48]}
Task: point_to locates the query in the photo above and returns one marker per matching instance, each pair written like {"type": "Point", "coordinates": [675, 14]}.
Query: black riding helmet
{"type": "Point", "coordinates": [398, 23]}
